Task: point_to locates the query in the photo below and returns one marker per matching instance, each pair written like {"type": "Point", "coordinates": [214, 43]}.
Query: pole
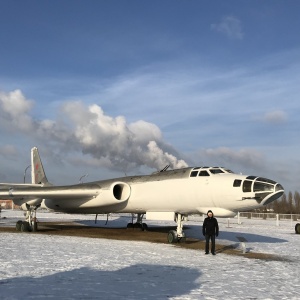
{"type": "Point", "coordinates": [25, 172]}
{"type": "Point", "coordinates": [239, 221]}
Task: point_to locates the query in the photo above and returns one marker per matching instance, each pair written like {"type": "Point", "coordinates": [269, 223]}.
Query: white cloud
{"type": "Point", "coordinates": [8, 151]}
{"type": "Point", "coordinates": [110, 140]}
{"type": "Point", "coordinates": [124, 145]}
{"type": "Point", "coordinates": [229, 26]}
{"type": "Point", "coordinates": [275, 117]}
{"type": "Point", "coordinates": [245, 158]}
{"type": "Point", "coordinates": [15, 110]}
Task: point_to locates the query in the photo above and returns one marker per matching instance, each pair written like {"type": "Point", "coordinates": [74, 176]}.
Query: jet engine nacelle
{"type": "Point", "coordinates": [106, 196]}
{"type": "Point", "coordinates": [109, 196]}
{"type": "Point", "coordinates": [116, 193]}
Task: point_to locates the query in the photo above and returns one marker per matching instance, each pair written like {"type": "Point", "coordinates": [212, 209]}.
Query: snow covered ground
{"type": "Point", "coordinates": [34, 266]}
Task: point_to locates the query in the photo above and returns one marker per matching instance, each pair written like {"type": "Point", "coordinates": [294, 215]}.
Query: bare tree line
{"type": "Point", "coordinates": [287, 204]}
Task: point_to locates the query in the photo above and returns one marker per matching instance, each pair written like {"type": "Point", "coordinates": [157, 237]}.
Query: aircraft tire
{"type": "Point", "coordinates": [25, 227]}
{"type": "Point", "coordinates": [138, 226]}
{"type": "Point", "coordinates": [35, 227]}
{"type": "Point", "coordinates": [182, 240]}
{"type": "Point", "coordinates": [297, 228]}
{"type": "Point", "coordinates": [129, 225]}
{"type": "Point", "coordinates": [145, 226]}
{"type": "Point", "coordinates": [172, 237]}
{"type": "Point", "coordinates": [18, 225]}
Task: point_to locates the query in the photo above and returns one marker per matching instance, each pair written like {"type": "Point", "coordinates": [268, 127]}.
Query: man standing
{"type": "Point", "coordinates": [210, 230]}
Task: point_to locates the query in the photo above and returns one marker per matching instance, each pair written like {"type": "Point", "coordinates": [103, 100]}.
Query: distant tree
{"type": "Point", "coordinates": [290, 206]}
{"type": "Point", "coordinates": [297, 202]}
{"type": "Point", "coordinates": [276, 205]}
{"type": "Point", "coordinates": [283, 205]}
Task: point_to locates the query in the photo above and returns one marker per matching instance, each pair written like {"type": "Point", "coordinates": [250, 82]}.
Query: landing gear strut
{"type": "Point", "coordinates": [30, 223]}
{"type": "Point", "coordinates": [139, 223]}
{"type": "Point", "coordinates": [176, 236]}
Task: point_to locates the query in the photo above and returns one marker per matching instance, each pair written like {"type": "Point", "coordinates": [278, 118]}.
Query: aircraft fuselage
{"type": "Point", "coordinates": [182, 191]}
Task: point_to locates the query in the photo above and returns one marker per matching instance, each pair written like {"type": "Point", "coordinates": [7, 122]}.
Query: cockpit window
{"type": "Point", "coordinates": [237, 182]}
{"type": "Point", "coordinates": [203, 173]}
{"type": "Point", "coordinates": [266, 180]}
{"type": "Point", "coordinates": [216, 171]}
{"type": "Point", "coordinates": [278, 187]}
{"type": "Point", "coordinates": [194, 174]}
{"type": "Point", "coordinates": [263, 187]}
{"type": "Point", "coordinates": [247, 186]}
{"type": "Point", "coordinates": [207, 171]}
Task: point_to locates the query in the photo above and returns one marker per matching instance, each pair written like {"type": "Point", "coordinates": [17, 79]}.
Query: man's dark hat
{"type": "Point", "coordinates": [209, 212]}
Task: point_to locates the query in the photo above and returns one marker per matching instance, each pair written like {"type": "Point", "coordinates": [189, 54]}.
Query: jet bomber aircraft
{"type": "Point", "coordinates": [163, 195]}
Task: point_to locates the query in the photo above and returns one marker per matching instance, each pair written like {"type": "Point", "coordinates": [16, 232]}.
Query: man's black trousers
{"type": "Point", "coordinates": [211, 237]}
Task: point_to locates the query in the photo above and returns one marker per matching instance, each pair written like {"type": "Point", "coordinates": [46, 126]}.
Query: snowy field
{"type": "Point", "coordinates": [37, 266]}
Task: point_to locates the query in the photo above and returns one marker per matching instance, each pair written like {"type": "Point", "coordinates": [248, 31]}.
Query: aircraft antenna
{"type": "Point", "coordinates": [165, 168]}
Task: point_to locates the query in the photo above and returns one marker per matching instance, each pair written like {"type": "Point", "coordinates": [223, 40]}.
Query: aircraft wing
{"type": "Point", "coordinates": [69, 198]}
{"type": "Point", "coordinates": [10, 185]}
{"type": "Point", "coordinates": [53, 192]}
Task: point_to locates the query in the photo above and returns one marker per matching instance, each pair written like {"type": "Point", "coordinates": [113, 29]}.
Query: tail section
{"type": "Point", "coordinates": [38, 175]}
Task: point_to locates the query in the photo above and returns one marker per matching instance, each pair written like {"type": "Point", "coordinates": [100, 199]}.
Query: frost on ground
{"type": "Point", "coordinates": [37, 266]}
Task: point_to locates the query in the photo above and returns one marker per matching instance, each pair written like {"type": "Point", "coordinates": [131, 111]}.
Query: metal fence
{"type": "Point", "coordinates": [260, 219]}
{"type": "Point", "coordinates": [278, 219]}
{"type": "Point", "coordinates": [265, 216]}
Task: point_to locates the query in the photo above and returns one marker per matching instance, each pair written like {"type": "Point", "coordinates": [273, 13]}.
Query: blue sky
{"type": "Point", "coordinates": [114, 87]}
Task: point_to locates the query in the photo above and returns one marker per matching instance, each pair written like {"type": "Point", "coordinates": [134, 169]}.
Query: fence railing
{"type": "Point", "coordinates": [260, 218]}
{"type": "Point", "coordinates": [264, 216]}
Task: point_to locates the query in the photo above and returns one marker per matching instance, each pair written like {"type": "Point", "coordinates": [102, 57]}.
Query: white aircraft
{"type": "Point", "coordinates": [164, 195]}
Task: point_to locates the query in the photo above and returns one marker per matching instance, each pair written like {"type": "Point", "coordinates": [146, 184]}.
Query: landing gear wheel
{"type": "Point", "coordinates": [25, 227]}
{"type": "Point", "coordinates": [145, 226]}
{"type": "Point", "coordinates": [129, 225]}
{"type": "Point", "coordinates": [35, 227]}
{"type": "Point", "coordinates": [18, 225]}
{"type": "Point", "coordinates": [297, 228]}
{"type": "Point", "coordinates": [138, 226]}
{"type": "Point", "coordinates": [182, 240]}
{"type": "Point", "coordinates": [172, 236]}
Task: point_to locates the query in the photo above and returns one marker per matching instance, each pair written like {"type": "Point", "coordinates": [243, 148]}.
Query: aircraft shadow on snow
{"type": "Point", "coordinates": [196, 232]}
{"type": "Point", "coordinates": [133, 282]}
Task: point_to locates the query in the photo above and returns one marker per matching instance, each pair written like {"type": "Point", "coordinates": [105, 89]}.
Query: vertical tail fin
{"type": "Point", "coordinates": [37, 170]}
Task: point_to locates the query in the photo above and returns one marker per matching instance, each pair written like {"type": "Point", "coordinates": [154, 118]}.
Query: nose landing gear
{"type": "Point", "coordinates": [176, 236]}
{"type": "Point", "coordinates": [30, 223]}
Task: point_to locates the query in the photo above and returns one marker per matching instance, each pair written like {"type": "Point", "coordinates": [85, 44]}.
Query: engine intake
{"type": "Point", "coordinates": [121, 191]}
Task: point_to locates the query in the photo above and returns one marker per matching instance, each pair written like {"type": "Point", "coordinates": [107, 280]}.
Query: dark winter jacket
{"type": "Point", "coordinates": [210, 226]}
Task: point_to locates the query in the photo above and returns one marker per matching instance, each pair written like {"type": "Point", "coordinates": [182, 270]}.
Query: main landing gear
{"type": "Point", "coordinates": [176, 236]}
{"type": "Point", "coordinates": [30, 223]}
{"type": "Point", "coordinates": [139, 223]}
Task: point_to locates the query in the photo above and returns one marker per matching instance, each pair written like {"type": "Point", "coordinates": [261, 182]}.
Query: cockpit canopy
{"type": "Point", "coordinates": [260, 184]}
{"type": "Point", "coordinates": [207, 171]}
{"type": "Point", "coordinates": [265, 190]}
